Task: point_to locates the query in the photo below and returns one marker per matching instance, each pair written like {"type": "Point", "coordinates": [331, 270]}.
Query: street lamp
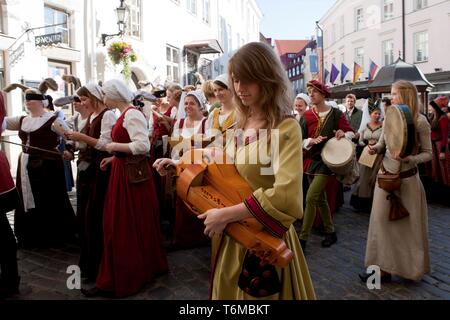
{"type": "Point", "coordinates": [121, 13]}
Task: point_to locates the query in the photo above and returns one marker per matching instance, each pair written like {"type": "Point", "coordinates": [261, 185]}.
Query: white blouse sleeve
{"type": "Point", "coordinates": [174, 112]}
{"type": "Point", "coordinates": [13, 123]}
{"type": "Point", "coordinates": [108, 121]}
{"type": "Point", "coordinates": [137, 127]}
{"type": "Point", "coordinates": [176, 129]}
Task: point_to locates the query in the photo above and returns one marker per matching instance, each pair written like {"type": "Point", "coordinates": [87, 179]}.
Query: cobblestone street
{"type": "Point", "coordinates": [334, 271]}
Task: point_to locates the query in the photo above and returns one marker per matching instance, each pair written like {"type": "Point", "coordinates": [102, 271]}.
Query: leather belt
{"type": "Point", "coordinates": [408, 174]}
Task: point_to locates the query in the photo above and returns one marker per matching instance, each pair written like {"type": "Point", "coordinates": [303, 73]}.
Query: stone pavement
{"type": "Point", "coordinates": [334, 271]}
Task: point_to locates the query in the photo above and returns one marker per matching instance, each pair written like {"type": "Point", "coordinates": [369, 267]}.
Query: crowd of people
{"type": "Point", "coordinates": [126, 146]}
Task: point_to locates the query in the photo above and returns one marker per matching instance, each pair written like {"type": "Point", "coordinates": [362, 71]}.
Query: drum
{"type": "Point", "coordinates": [399, 130]}
{"type": "Point", "coordinates": [339, 156]}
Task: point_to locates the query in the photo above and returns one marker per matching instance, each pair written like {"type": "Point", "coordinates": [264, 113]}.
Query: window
{"type": "Point", "coordinates": [388, 9]}
{"type": "Point", "coordinates": [359, 20]}
{"type": "Point", "coordinates": [341, 27]}
{"type": "Point", "coordinates": [421, 46]}
{"type": "Point", "coordinates": [55, 16]}
{"type": "Point", "coordinates": [56, 70]}
{"type": "Point", "coordinates": [206, 11]}
{"type": "Point", "coordinates": [333, 33]}
{"type": "Point", "coordinates": [388, 52]}
{"type": "Point", "coordinates": [359, 57]}
{"type": "Point", "coordinates": [298, 70]}
{"type": "Point", "coordinates": [230, 38]}
{"type": "Point", "coordinates": [1, 19]}
{"type": "Point", "coordinates": [173, 64]}
{"type": "Point", "coordinates": [222, 32]}
{"type": "Point", "coordinates": [420, 4]}
{"type": "Point", "coordinates": [134, 19]}
{"type": "Point", "coordinates": [192, 6]}
{"type": "Point", "coordinates": [343, 58]}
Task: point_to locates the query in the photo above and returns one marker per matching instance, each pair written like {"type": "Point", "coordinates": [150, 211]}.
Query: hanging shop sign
{"type": "Point", "coordinates": [48, 39]}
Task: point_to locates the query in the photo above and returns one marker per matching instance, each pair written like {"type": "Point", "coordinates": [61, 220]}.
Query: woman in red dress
{"type": "Point", "coordinates": [133, 252]}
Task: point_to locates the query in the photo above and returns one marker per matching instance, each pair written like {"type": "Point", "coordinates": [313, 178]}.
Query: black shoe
{"type": "Point", "coordinates": [303, 244]}
{"type": "Point", "coordinates": [329, 240]}
{"type": "Point", "coordinates": [365, 276]}
{"type": "Point", "coordinates": [96, 292]}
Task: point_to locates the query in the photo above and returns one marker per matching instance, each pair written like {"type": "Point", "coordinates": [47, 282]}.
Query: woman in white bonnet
{"type": "Point", "coordinates": [45, 217]}
{"type": "Point", "coordinates": [133, 253]}
{"type": "Point", "coordinates": [92, 182]}
{"type": "Point", "coordinates": [301, 104]}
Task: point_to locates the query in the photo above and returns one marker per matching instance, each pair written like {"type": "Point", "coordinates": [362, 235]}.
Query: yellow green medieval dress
{"type": "Point", "coordinates": [276, 203]}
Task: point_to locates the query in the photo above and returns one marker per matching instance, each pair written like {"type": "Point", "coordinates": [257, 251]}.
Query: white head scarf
{"type": "Point", "coordinates": [118, 91]}
{"type": "Point", "coordinates": [95, 90]}
{"type": "Point", "coordinates": [366, 116]}
{"type": "Point", "coordinates": [305, 98]}
{"type": "Point", "coordinates": [200, 97]}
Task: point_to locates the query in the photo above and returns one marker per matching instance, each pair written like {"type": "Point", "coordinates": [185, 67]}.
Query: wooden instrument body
{"type": "Point", "coordinates": [209, 182]}
{"type": "Point", "coordinates": [399, 130]}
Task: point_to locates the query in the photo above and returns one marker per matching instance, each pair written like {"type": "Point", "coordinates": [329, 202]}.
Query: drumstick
{"type": "Point", "coordinates": [30, 147]}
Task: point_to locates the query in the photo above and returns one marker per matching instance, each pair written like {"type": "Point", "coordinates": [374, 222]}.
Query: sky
{"type": "Point", "coordinates": [292, 19]}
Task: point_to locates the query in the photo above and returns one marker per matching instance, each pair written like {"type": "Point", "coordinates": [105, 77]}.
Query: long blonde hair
{"type": "Point", "coordinates": [257, 63]}
{"type": "Point", "coordinates": [408, 95]}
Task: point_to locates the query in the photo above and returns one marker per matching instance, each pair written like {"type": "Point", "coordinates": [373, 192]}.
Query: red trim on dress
{"type": "Point", "coordinates": [273, 225]}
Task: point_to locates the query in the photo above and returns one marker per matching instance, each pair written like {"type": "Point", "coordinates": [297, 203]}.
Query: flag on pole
{"type": "Point", "coordinates": [373, 70]}
{"type": "Point", "coordinates": [313, 63]}
{"type": "Point", "coordinates": [334, 73]}
{"type": "Point", "coordinates": [357, 71]}
{"type": "Point", "coordinates": [344, 72]}
{"type": "Point", "coordinates": [325, 76]}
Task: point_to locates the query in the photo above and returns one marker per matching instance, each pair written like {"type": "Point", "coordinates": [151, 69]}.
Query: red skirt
{"type": "Point", "coordinates": [439, 170]}
{"type": "Point", "coordinates": [188, 230]}
{"type": "Point", "coordinates": [133, 249]}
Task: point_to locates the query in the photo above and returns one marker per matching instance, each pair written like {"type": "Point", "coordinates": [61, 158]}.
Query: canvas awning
{"type": "Point", "coordinates": [359, 89]}
{"type": "Point", "coordinates": [399, 70]}
{"type": "Point", "coordinates": [204, 46]}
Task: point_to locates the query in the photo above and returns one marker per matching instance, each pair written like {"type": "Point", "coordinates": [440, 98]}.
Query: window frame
{"type": "Point", "coordinates": [131, 22]}
{"type": "Point", "coordinates": [360, 61]}
{"type": "Point", "coordinates": [385, 54]}
{"type": "Point", "coordinates": [387, 3]}
{"type": "Point", "coordinates": [359, 24]}
{"type": "Point", "coordinates": [171, 63]}
{"type": "Point", "coordinates": [192, 7]}
{"type": "Point", "coordinates": [423, 4]}
{"type": "Point", "coordinates": [57, 29]}
{"type": "Point", "coordinates": [426, 55]}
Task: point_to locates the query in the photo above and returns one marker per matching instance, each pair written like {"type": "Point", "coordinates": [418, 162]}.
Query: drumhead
{"type": "Point", "coordinates": [399, 131]}
{"type": "Point", "coordinates": [337, 153]}
{"type": "Point", "coordinates": [394, 129]}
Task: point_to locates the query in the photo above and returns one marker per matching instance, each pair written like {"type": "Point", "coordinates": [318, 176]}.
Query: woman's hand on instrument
{"type": "Point", "coordinates": [372, 150]}
{"type": "Point", "coordinates": [340, 134]}
{"type": "Point", "coordinates": [163, 166]}
{"type": "Point", "coordinates": [106, 163]}
{"type": "Point", "coordinates": [442, 156]}
{"type": "Point", "coordinates": [215, 221]}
